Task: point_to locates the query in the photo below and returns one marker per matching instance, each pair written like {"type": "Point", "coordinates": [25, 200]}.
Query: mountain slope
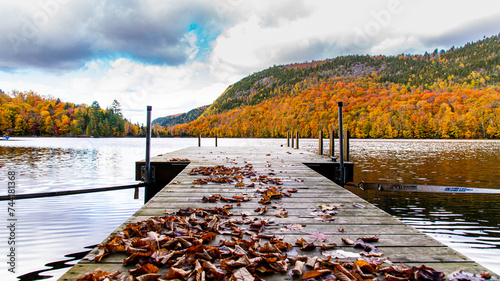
{"type": "Point", "coordinates": [452, 94]}
{"type": "Point", "coordinates": [180, 118]}
{"type": "Point", "coordinates": [454, 65]}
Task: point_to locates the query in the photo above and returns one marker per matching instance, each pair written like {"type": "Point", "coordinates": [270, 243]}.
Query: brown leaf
{"type": "Point", "coordinates": [390, 277]}
{"type": "Point", "coordinates": [242, 274]}
{"type": "Point", "coordinates": [162, 256]}
{"type": "Point", "coordinates": [280, 266]}
{"type": "Point", "coordinates": [145, 269]}
{"type": "Point", "coordinates": [243, 261]}
{"type": "Point", "coordinates": [311, 261]}
{"type": "Point", "coordinates": [373, 238]}
{"type": "Point", "coordinates": [148, 277]}
{"type": "Point", "coordinates": [364, 265]}
{"type": "Point", "coordinates": [101, 254]}
{"type": "Point", "coordinates": [301, 242]}
{"type": "Point", "coordinates": [341, 276]}
{"type": "Point", "coordinates": [297, 268]}
{"type": "Point", "coordinates": [134, 257]}
{"type": "Point", "coordinates": [176, 273]}
{"type": "Point", "coordinates": [340, 268]}
{"type": "Point", "coordinates": [269, 248]}
{"type": "Point", "coordinates": [98, 274]}
{"type": "Point", "coordinates": [207, 237]}
{"type": "Point", "coordinates": [366, 247]}
{"type": "Point", "coordinates": [308, 247]}
{"type": "Point", "coordinates": [311, 274]}
{"type": "Point", "coordinates": [282, 215]}
{"type": "Point", "coordinates": [218, 273]}
{"type": "Point", "coordinates": [347, 241]}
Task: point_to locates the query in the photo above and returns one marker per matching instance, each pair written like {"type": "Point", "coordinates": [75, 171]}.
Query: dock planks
{"type": "Point", "coordinates": [399, 242]}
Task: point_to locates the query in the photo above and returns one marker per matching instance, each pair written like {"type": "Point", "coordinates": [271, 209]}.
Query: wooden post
{"type": "Point", "coordinates": [136, 193]}
{"type": "Point", "coordinates": [346, 145]}
{"type": "Point", "coordinates": [297, 138]}
{"type": "Point", "coordinates": [288, 139]}
{"type": "Point", "coordinates": [215, 140]}
{"type": "Point", "coordinates": [199, 140]}
{"type": "Point", "coordinates": [293, 138]}
{"type": "Point", "coordinates": [320, 138]}
{"type": "Point", "coordinates": [332, 144]}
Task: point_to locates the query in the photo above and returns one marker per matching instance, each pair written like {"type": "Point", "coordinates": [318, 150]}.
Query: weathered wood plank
{"type": "Point", "coordinates": [398, 242]}
{"type": "Point", "coordinates": [83, 268]}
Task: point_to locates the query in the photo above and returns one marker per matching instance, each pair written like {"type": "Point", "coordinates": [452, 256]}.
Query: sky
{"type": "Point", "coordinates": [178, 55]}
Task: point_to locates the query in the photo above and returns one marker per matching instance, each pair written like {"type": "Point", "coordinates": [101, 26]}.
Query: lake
{"type": "Point", "coordinates": [48, 229]}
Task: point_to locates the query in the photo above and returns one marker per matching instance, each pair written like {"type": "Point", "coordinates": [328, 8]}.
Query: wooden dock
{"type": "Point", "coordinates": [301, 215]}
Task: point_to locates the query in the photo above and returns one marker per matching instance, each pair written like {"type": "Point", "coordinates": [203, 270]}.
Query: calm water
{"type": "Point", "coordinates": [50, 228]}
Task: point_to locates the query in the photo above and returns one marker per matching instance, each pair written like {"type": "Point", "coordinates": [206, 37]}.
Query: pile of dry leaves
{"type": "Point", "coordinates": [211, 244]}
{"type": "Point", "coordinates": [180, 243]}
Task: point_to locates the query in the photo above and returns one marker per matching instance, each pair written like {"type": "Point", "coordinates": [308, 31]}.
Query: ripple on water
{"type": "Point", "coordinates": [53, 227]}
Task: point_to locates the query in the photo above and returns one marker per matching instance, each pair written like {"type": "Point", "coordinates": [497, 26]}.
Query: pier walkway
{"type": "Point", "coordinates": [317, 209]}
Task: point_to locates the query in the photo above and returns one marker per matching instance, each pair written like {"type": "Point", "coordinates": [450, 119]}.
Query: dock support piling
{"type": "Point", "coordinates": [320, 138]}
{"type": "Point", "coordinates": [297, 139]}
{"type": "Point", "coordinates": [332, 144]}
{"type": "Point", "coordinates": [288, 139]}
{"type": "Point", "coordinates": [341, 143]}
{"type": "Point", "coordinates": [293, 145]}
{"type": "Point", "coordinates": [346, 145]}
{"type": "Point", "coordinates": [199, 140]}
{"type": "Point", "coordinates": [215, 140]}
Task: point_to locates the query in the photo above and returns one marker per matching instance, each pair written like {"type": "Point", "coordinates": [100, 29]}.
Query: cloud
{"type": "Point", "coordinates": [465, 32]}
{"type": "Point", "coordinates": [57, 35]}
{"type": "Point", "coordinates": [177, 55]}
{"type": "Point", "coordinates": [169, 89]}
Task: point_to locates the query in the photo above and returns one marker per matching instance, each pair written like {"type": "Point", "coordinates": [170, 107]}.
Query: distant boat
{"type": "Point", "coordinates": [5, 138]}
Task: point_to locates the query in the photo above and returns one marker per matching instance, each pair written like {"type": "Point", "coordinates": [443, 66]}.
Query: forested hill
{"type": "Point", "coordinates": [442, 94]}
{"type": "Point", "coordinates": [475, 63]}
{"type": "Point", "coordinates": [28, 114]}
{"type": "Point", "coordinates": [180, 118]}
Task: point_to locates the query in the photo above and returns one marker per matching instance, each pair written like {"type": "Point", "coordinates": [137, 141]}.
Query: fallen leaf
{"type": "Point", "coordinates": [347, 241]}
{"type": "Point", "coordinates": [357, 205]}
{"type": "Point", "coordinates": [329, 246]}
{"type": "Point", "coordinates": [242, 274]}
{"type": "Point", "coordinates": [297, 269]}
{"type": "Point", "coordinates": [321, 236]}
{"type": "Point", "coordinates": [311, 274]}
{"type": "Point", "coordinates": [145, 269]}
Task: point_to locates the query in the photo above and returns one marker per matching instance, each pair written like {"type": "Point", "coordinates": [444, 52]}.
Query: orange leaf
{"type": "Point", "coordinates": [311, 274]}
{"type": "Point", "coordinates": [145, 269]}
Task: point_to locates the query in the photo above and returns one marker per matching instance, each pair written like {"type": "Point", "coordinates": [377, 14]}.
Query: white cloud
{"type": "Point", "coordinates": [105, 50]}
{"type": "Point", "coordinates": [168, 89]}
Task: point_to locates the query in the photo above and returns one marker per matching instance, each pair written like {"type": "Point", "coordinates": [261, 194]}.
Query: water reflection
{"type": "Point", "coordinates": [469, 223]}
{"type": "Point", "coordinates": [50, 228]}
{"type": "Point", "coordinates": [455, 163]}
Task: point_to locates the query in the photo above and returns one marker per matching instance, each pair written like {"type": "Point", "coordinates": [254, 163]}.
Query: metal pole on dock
{"type": "Point", "coordinates": [341, 143]}
{"type": "Point", "coordinates": [148, 150]}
